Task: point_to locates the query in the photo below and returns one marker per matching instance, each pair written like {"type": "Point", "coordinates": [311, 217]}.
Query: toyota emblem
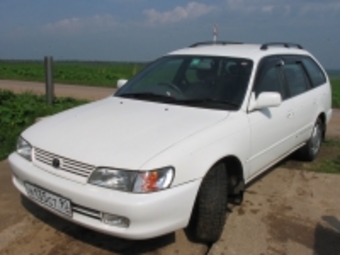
{"type": "Point", "coordinates": [56, 163]}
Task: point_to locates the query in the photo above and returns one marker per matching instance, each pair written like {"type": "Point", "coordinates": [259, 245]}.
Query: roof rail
{"type": "Point", "coordinates": [284, 44]}
{"type": "Point", "coordinates": [213, 43]}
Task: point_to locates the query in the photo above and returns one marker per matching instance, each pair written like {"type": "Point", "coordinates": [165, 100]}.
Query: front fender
{"type": "Point", "coordinates": [195, 155]}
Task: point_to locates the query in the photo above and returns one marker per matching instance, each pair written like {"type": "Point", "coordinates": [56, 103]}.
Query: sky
{"type": "Point", "coordinates": [142, 30]}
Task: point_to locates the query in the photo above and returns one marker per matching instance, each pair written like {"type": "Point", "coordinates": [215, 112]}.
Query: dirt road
{"type": "Point", "coordinates": [61, 90]}
{"type": "Point", "coordinates": [285, 212]}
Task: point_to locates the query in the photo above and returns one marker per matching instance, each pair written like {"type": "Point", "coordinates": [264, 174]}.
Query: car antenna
{"type": "Point", "coordinates": [215, 33]}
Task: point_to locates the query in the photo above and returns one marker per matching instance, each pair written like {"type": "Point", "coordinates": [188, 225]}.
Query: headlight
{"type": "Point", "coordinates": [114, 179]}
{"type": "Point", "coordinates": [24, 149]}
{"type": "Point", "coordinates": [133, 181]}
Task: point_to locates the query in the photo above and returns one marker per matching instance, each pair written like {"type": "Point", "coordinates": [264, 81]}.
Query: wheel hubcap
{"type": "Point", "coordinates": [316, 139]}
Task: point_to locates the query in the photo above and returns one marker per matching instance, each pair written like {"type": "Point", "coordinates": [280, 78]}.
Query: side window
{"type": "Point", "coordinates": [295, 79]}
{"type": "Point", "coordinates": [316, 75]}
{"type": "Point", "coordinates": [269, 81]}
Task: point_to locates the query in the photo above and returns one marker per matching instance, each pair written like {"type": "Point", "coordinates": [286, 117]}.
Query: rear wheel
{"type": "Point", "coordinates": [311, 149]}
{"type": "Point", "coordinates": [209, 214]}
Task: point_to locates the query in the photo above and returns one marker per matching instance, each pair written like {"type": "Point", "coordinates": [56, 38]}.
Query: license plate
{"type": "Point", "coordinates": [50, 200]}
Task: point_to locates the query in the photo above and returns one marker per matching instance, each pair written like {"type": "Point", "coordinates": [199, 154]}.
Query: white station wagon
{"type": "Point", "coordinates": [177, 142]}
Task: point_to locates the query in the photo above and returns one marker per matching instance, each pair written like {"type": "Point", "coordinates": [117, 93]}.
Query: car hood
{"type": "Point", "coordinates": [118, 132]}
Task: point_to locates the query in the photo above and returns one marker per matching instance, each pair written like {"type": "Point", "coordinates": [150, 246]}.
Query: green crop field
{"type": "Point", "coordinates": [18, 111]}
{"type": "Point", "coordinates": [84, 73]}
{"type": "Point", "coordinates": [335, 92]}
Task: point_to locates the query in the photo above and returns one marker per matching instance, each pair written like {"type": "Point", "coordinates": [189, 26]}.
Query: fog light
{"type": "Point", "coordinates": [115, 220]}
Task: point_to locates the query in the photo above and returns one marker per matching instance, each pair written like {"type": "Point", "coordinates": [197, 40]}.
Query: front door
{"type": "Point", "coordinates": [272, 129]}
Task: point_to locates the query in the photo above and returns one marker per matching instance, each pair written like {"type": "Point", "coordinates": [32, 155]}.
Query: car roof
{"type": "Point", "coordinates": [248, 51]}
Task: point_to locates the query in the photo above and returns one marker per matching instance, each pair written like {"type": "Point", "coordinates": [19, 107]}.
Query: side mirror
{"type": "Point", "coordinates": [265, 100]}
{"type": "Point", "coordinates": [121, 83]}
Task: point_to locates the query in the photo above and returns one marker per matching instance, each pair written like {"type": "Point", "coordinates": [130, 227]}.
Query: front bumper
{"type": "Point", "coordinates": [150, 215]}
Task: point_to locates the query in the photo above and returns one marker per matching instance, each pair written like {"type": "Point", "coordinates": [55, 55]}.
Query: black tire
{"type": "Point", "coordinates": [209, 214]}
{"type": "Point", "coordinates": [311, 149]}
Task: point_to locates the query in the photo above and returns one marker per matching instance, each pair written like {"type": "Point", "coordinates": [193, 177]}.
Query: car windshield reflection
{"type": "Point", "coordinates": [198, 81]}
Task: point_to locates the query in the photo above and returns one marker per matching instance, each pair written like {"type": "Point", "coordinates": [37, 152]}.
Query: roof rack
{"type": "Point", "coordinates": [285, 44]}
{"type": "Point", "coordinates": [213, 43]}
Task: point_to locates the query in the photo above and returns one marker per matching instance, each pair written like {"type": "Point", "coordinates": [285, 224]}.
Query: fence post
{"type": "Point", "coordinates": [48, 60]}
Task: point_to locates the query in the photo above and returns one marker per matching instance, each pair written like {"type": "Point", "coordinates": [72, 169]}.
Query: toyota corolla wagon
{"type": "Point", "coordinates": [177, 142]}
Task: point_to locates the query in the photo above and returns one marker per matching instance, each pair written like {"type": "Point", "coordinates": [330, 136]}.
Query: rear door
{"type": "Point", "coordinates": [302, 95]}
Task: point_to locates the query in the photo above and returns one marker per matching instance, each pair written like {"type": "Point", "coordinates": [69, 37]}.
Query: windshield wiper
{"type": "Point", "coordinates": [165, 98]}
{"type": "Point", "coordinates": [207, 101]}
{"type": "Point", "coordinates": [146, 95]}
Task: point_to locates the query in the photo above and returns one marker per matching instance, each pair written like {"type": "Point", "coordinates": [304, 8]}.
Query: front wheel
{"type": "Point", "coordinates": [209, 213]}
{"type": "Point", "coordinates": [311, 149]}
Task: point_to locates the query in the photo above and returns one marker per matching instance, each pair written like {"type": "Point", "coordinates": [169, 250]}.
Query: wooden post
{"type": "Point", "coordinates": [49, 79]}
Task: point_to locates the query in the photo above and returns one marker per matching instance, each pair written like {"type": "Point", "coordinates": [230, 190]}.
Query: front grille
{"type": "Point", "coordinates": [67, 165]}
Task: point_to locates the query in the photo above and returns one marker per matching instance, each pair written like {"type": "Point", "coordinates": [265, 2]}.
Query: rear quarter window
{"type": "Point", "coordinates": [314, 72]}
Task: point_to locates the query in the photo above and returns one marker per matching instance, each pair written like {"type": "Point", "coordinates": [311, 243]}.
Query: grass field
{"type": "Point", "coordinates": [85, 73]}
{"type": "Point", "coordinates": [335, 92]}
{"type": "Point", "coordinates": [328, 160]}
{"type": "Point", "coordinates": [18, 111]}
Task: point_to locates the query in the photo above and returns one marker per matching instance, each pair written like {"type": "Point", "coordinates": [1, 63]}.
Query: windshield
{"type": "Point", "coordinates": [199, 81]}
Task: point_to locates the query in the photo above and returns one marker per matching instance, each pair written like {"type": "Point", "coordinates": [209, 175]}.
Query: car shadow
{"type": "Point", "coordinates": [290, 159]}
{"type": "Point", "coordinates": [106, 242]}
{"type": "Point", "coordinates": [327, 238]}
